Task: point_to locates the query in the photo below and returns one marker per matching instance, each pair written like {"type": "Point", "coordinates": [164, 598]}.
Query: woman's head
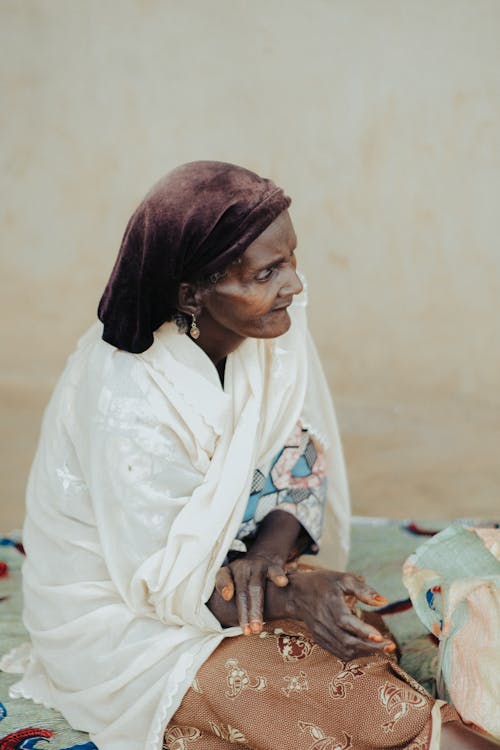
{"type": "Point", "coordinates": [252, 297]}
{"type": "Point", "coordinates": [193, 225]}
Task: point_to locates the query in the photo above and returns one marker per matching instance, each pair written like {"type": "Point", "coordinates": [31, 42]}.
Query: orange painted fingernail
{"type": "Point", "coordinates": [246, 630]}
{"type": "Point", "coordinates": [227, 594]}
{"type": "Point", "coordinates": [379, 599]}
{"type": "Point", "coordinates": [390, 648]}
{"type": "Point", "coordinates": [282, 580]}
{"type": "Point", "coordinates": [375, 637]}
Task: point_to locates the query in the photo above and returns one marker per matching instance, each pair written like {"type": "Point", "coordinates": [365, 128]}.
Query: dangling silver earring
{"type": "Point", "coordinates": [194, 331]}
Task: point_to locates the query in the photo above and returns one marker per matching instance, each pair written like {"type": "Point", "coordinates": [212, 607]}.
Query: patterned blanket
{"type": "Point", "coordinates": [379, 547]}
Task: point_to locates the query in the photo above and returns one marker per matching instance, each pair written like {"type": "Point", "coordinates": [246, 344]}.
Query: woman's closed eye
{"type": "Point", "coordinates": [267, 273]}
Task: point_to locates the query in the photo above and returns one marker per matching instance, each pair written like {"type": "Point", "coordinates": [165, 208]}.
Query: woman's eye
{"type": "Point", "coordinates": [266, 273]}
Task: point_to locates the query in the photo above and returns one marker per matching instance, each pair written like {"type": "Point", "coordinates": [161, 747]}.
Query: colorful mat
{"type": "Point", "coordinates": [379, 547]}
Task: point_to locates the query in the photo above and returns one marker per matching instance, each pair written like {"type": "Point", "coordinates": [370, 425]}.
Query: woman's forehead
{"type": "Point", "coordinates": [276, 241]}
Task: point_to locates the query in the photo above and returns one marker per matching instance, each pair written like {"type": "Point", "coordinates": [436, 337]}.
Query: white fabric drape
{"type": "Point", "coordinates": [137, 490]}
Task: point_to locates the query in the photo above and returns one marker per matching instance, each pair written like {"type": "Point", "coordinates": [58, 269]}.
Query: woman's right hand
{"type": "Point", "coordinates": [321, 599]}
{"type": "Point", "coordinates": [246, 578]}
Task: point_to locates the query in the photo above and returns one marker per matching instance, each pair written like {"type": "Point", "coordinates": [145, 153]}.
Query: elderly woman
{"type": "Point", "coordinates": [190, 452]}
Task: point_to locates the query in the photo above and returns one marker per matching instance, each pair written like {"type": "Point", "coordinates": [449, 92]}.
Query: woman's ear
{"type": "Point", "coordinates": [189, 298]}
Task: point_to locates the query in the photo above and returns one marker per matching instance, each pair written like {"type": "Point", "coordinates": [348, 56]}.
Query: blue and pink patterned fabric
{"type": "Point", "coordinates": [296, 483]}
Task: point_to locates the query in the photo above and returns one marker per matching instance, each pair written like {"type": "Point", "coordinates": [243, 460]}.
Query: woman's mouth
{"type": "Point", "coordinates": [279, 308]}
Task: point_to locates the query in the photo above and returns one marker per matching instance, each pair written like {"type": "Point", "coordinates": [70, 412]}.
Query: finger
{"type": "Point", "coordinates": [277, 574]}
{"type": "Point", "coordinates": [256, 607]}
{"type": "Point", "coordinates": [354, 626]}
{"type": "Point", "coordinates": [345, 645]}
{"type": "Point", "coordinates": [256, 591]}
{"type": "Point", "coordinates": [351, 584]}
{"type": "Point", "coordinates": [242, 597]}
{"type": "Point", "coordinates": [224, 583]}
{"type": "Point", "coordinates": [340, 643]}
{"type": "Point", "coordinates": [242, 607]}
{"type": "Point", "coordinates": [344, 618]}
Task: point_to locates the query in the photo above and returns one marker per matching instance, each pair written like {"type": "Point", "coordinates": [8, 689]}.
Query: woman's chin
{"type": "Point", "coordinates": [274, 324]}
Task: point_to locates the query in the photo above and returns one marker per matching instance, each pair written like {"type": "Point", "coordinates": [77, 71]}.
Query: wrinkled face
{"type": "Point", "coordinates": [252, 299]}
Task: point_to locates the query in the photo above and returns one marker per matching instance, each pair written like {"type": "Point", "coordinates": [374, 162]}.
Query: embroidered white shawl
{"type": "Point", "coordinates": [137, 490]}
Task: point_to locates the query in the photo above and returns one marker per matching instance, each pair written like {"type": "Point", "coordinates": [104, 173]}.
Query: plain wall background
{"type": "Point", "coordinates": [380, 119]}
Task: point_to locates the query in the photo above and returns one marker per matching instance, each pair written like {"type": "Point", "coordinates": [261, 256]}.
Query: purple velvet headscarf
{"type": "Point", "coordinates": [192, 224]}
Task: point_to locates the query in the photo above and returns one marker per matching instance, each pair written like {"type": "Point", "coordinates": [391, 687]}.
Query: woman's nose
{"type": "Point", "coordinates": [292, 285]}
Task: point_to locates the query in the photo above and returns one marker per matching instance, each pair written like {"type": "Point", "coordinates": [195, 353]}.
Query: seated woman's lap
{"type": "Point", "coordinates": [280, 690]}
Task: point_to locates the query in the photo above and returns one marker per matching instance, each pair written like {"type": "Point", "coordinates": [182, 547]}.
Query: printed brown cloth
{"type": "Point", "coordinates": [281, 691]}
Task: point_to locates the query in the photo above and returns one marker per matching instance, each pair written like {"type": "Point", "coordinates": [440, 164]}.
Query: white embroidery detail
{"type": "Point", "coordinates": [295, 684]}
{"type": "Point", "coordinates": [238, 679]}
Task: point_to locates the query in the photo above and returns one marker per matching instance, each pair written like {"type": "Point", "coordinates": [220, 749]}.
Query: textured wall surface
{"type": "Point", "coordinates": [382, 122]}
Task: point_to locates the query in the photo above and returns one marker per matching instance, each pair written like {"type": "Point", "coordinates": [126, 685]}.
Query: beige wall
{"type": "Point", "coordinates": [381, 119]}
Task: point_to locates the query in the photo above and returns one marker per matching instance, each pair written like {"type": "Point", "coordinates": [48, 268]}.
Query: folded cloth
{"type": "Point", "coordinates": [454, 583]}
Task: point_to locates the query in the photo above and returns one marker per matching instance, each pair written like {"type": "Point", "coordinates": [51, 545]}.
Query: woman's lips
{"type": "Point", "coordinates": [281, 307]}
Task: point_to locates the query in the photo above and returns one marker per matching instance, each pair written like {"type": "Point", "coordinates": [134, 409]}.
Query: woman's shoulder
{"type": "Point", "coordinates": [96, 372]}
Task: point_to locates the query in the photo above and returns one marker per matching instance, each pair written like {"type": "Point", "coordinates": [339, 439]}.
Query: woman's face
{"type": "Point", "coordinates": [252, 298]}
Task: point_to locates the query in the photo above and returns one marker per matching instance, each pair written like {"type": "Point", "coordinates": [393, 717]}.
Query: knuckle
{"type": "Point", "coordinates": [223, 574]}
{"type": "Point", "coordinates": [257, 572]}
{"type": "Point", "coordinates": [343, 622]}
{"type": "Point", "coordinates": [240, 575]}
{"type": "Point", "coordinates": [242, 606]}
{"type": "Point", "coordinates": [219, 579]}
{"type": "Point", "coordinates": [255, 589]}
{"type": "Point", "coordinates": [243, 598]}
{"type": "Point", "coordinates": [236, 565]}
{"type": "Point", "coordinates": [349, 579]}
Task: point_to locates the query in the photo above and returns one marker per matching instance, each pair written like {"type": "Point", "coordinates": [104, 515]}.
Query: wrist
{"type": "Point", "coordinates": [278, 532]}
{"type": "Point", "coordinates": [265, 553]}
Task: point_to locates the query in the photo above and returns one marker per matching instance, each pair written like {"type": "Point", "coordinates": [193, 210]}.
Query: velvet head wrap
{"type": "Point", "coordinates": [193, 223]}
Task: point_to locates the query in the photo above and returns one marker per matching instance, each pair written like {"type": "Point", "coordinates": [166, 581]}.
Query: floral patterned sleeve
{"type": "Point", "coordinates": [296, 483]}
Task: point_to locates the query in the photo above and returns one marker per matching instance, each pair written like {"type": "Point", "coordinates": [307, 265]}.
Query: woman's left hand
{"type": "Point", "coordinates": [246, 577]}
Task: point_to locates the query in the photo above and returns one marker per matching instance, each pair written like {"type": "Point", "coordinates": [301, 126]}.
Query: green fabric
{"type": "Point", "coordinates": [379, 548]}
{"type": "Point", "coordinates": [456, 553]}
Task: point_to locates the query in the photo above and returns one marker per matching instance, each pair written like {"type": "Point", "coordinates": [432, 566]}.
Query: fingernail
{"type": "Point", "coordinates": [379, 599]}
{"type": "Point", "coordinates": [226, 593]}
{"type": "Point", "coordinates": [390, 648]}
{"type": "Point", "coordinates": [247, 630]}
{"type": "Point", "coordinates": [256, 627]}
{"type": "Point", "coordinates": [375, 637]}
{"type": "Point", "coordinates": [282, 580]}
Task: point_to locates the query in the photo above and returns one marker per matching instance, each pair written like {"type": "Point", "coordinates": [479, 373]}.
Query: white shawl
{"type": "Point", "coordinates": [137, 490]}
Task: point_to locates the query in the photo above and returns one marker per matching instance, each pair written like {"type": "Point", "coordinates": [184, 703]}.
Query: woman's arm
{"type": "Point", "coordinates": [319, 599]}
{"type": "Point", "coordinates": [297, 476]}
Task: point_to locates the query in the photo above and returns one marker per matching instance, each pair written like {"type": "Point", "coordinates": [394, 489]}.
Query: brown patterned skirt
{"type": "Point", "coordinates": [281, 691]}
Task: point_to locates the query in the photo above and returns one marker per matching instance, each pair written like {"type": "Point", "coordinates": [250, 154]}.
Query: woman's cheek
{"type": "Point", "coordinates": [258, 303]}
